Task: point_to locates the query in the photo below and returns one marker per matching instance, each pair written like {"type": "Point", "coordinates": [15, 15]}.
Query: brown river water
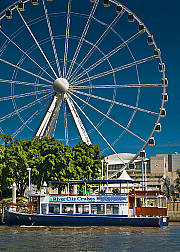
{"type": "Point", "coordinates": [90, 239]}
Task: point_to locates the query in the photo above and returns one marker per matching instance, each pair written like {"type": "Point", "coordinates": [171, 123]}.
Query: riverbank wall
{"type": "Point", "coordinates": [173, 210]}
{"type": "Point", "coordinates": [1, 219]}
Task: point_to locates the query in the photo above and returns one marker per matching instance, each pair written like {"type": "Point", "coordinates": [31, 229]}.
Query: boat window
{"type": "Point", "coordinates": [43, 208]}
{"type": "Point", "coordinates": [54, 208]}
{"type": "Point", "coordinates": [161, 202]}
{"type": "Point", "coordinates": [139, 202]}
{"type": "Point", "coordinates": [112, 209]}
{"type": "Point", "coordinates": [97, 209]}
{"type": "Point", "coordinates": [152, 203]}
{"type": "Point", "coordinates": [68, 208]}
{"type": "Point", "coordinates": [82, 209]}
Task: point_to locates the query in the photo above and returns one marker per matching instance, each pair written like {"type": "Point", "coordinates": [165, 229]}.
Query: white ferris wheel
{"type": "Point", "coordinates": [76, 70]}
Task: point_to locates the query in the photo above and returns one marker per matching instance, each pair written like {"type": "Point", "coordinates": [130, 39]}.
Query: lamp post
{"type": "Point", "coordinates": [44, 187]}
{"type": "Point", "coordinates": [107, 172]}
{"type": "Point", "coordinates": [102, 163]}
{"type": "Point", "coordinates": [14, 192]}
{"type": "Point", "coordinates": [29, 170]}
{"type": "Point", "coordinates": [142, 156]}
{"type": "Point", "coordinates": [145, 175]}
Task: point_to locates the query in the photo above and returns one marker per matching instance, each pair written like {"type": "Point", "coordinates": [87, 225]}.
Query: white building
{"type": "Point", "coordinates": [116, 162]}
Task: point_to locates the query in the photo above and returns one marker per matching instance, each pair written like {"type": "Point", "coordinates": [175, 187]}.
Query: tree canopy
{"type": "Point", "coordinates": [48, 159]}
{"type": "Point", "coordinates": [178, 180]}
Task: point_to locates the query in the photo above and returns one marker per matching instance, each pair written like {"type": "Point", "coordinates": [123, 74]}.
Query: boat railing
{"type": "Point", "coordinates": [93, 194]}
{"type": "Point", "coordinates": [136, 193]}
{"type": "Point", "coordinates": [23, 208]}
{"type": "Point", "coordinates": [151, 211]}
{"type": "Point", "coordinates": [150, 192]}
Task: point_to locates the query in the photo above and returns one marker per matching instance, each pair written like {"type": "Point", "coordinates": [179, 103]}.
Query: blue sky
{"type": "Point", "coordinates": [162, 18]}
{"type": "Point", "coordinates": [162, 21]}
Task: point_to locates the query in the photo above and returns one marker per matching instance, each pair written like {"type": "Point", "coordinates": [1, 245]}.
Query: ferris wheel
{"type": "Point", "coordinates": [80, 70]}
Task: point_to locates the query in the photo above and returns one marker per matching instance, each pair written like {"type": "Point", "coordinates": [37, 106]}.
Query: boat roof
{"type": "Point", "coordinates": [97, 181]}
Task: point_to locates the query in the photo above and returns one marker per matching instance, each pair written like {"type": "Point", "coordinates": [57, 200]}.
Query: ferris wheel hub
{"type": "Point", "coordinates": [61, 85]}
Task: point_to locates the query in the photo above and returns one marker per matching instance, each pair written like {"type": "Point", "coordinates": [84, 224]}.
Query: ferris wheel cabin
{"type": "Point", "coordinates": [119, 9]}
{"type": "Point", "coordinates": [130, 18]}
{"type": "Point", "coordinates": [106, 3]}
{"type": "Point", "coordinates": [150, 40]}
{"type": "Point", "coordinates": [21, 6]}
{"type": "Point", "coordinates": [158, 128]}
{"type": "Point", "coordinates": [35, 2]}
{"type": "Point", "coordinates": [164, 82]}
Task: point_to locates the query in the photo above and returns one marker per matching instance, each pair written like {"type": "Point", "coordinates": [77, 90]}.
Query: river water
{"type": "Point", "coordinates": [90, 239]}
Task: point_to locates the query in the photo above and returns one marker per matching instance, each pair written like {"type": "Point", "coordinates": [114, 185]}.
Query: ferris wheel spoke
{"type": "Point", "coordinates": [26, 54]}
{"type": "Point", "coordinates": [96, 129]}
{"type": "Point", "coordinates": [24, 70]}
{"type": "Point", "coordinates": [67, 37]}
{"type": "Point", "coordinates": [97, 110]}
{"type": "Point", "coordinates": [108, 55]}
{"type": "Point", "coordinates": [38, 45]}
{"type": "Point", "coordinates": [135, 63]}
{"type": "Point", "coordinates": [52, 38]}
{"type": "Point", "coordinates": [24, 83]}
{"type": "Point", "coordinates": [28, 121]}
{"type": "Point", "coordinates": [22, 95]}
{"type": "Point", "coordinates": [66, 123]}
{"type": "Point", "coordinates": [117, 86]}
{"type": "Point", "coordinates": [118, 103]}
{"type": "Point", "coordinates": [95, 46]}
{"type": "Point", "coordinates": [29, 105]}
{"type": "Point", "coordinates": [86, 28]}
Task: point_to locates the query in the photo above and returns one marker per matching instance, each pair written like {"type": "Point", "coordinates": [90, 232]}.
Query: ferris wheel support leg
{"type": "Point", "coordinates": [80, 127]}
{"type": "Point", "coordinates": [49, 119]}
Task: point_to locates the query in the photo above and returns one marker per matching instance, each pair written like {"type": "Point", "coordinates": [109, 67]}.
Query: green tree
{"type": "Point", "coordinates": [15, 169]}
{"type": "Point", "coordinates": [48, 159]}
{"type": "Point", "coordinates": [6, 139]}
{"type": "Point", "coordinates": [87, 161]}
{"type": "Point", "coordinates": [178, 180]}
{"type": "Point", "coordinates": [51, 160]}
{"type": "Point", "coordinates": [2, 164]}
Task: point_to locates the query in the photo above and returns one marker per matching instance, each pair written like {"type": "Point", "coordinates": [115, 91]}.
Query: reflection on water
{"type": "Point", "coordinates": [90, 239]}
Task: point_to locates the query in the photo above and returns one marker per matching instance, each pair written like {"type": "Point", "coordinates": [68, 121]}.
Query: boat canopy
{"type": "Point", "coordinates": [104, 181]}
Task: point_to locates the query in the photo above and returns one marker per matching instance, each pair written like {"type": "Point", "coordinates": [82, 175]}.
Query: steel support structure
{"type": "Point", "coordinates": [80, 127]}
{"type": "Point", "coordinates": [52, 112]}
{"type": "Point", "coordinates": [49, 119]}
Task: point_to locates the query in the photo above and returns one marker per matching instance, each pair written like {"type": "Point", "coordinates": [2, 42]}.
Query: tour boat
{"type": "Point", "coordinates": [102, 207]}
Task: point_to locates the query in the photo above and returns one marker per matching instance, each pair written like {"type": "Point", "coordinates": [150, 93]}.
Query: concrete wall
{"type": "Point", "coordinates": [175, 162]}
{"type": "Point", "coordinates": [157, 164]}
{"type": "Point", "coordinates": [173, 210]}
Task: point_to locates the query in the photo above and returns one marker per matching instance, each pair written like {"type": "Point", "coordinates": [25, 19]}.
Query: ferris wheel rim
{"type": "Point", "coordinates": [160, 59]}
